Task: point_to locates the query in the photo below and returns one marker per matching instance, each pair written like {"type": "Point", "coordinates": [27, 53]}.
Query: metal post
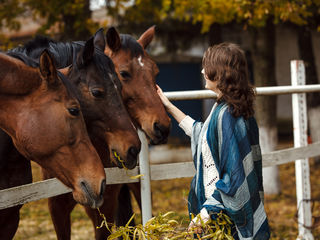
{"type": "Point", "coordinates": [145, 179]}
{"type": "Point", "coordinates": [299, 109]}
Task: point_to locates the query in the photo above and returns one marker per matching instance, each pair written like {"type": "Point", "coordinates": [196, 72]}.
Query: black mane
{"type": "Point", "coordinates": [35, 64]}
{"type": "Point", "coordinates": [128, 43]}
{"type": "Point", "coordinates": [63, 53]}
{"type": "Point", "coordinates": [24, 58]}
{"type": "Point", "coordinates": [38, 42]}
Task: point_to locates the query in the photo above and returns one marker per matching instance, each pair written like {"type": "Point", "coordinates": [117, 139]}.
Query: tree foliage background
{"type": "Point", "coordinates": [67, 19]}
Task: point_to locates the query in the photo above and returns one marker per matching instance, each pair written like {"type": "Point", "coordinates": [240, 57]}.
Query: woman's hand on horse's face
{"type": "Point", "coordinates": [163, 98]}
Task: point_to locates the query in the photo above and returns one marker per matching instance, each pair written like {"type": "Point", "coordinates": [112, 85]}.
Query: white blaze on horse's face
{"type": "Point", "coordinates": [114, 84]}
{"type": "Point", "coordinates": [140, 61]}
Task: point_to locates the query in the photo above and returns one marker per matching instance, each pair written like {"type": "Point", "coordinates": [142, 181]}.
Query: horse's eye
{"type": "Point", "coordinates": [74, 111]}
{"type": "Point", "coordinates": [125, 74]}
{"type": "Point", "coordinates": [97, 93]}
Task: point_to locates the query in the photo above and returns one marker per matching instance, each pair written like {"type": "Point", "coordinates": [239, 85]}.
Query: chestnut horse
{"type": "Point", "coordinates": [95, 82]}
{"type": "Point", "coordinates": [134, 66]}
{"type": "Point", "coordinates": [137, 73]}
{"type": "Point", "coordinates": [43, 118]}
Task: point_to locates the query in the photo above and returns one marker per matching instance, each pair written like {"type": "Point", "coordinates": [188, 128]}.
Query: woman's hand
{"type": "Point", "coordinates": [172, 109]}
{"type": "Point", "coordinates": [194, 228]}
{"type": "Point", "coordinates": [163, 98]}
{"type": "Point", "coordinates": [199, 221]}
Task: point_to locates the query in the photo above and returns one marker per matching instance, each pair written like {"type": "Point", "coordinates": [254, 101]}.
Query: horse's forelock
{"type": "Point", "coordinates": [128, 43]}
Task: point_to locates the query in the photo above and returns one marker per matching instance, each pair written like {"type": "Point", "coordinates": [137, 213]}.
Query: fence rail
{"type": "Point", "coordinates": [52, 187]}
{"type": "Point", "coordinates": [261, 91]}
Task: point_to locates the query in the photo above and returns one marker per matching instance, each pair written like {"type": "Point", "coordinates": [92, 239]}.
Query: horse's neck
{"type": "Point", "coordinates": [16, 78]}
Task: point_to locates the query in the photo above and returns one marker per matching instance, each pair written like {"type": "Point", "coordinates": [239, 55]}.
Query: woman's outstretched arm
{"type": "Point", "coordinates": [176, 113]}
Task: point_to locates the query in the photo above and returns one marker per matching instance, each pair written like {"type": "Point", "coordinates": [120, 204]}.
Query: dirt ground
{"type": "Point", "coordinates": [171, 195]}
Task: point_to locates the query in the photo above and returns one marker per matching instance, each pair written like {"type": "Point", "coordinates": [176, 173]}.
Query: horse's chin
{"type": "Point", "coordinates": [86, 200]}
{"type": "Point", "coordinates": [85, 195]}
{"type": "Point", "coordinates": [129, 163]}
{"type": "Point", "coordinates": [156, 141]}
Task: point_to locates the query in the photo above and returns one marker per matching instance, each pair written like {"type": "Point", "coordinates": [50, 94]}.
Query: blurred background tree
{"type": "Point", "coordinates": [9, 11]}
{"type": "Point", "coordinates": [70, 18]}
{"type": "Point", "coordinates": [64, 19]}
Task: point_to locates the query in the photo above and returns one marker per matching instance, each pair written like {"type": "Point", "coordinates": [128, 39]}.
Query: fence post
{"type": "Point", "coordinates": [299, 110]}
{"type": "Point", "coordinates": [146, 207]}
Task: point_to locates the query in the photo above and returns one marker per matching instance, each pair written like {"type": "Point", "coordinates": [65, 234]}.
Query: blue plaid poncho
{"type": "Point", "coordinates": [234, 144]}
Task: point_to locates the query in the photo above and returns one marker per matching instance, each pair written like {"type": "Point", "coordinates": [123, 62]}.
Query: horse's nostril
{"type": "Point", "coordinates": [103, 187]}
{"type": "Point", "coordinates": [160, 131]}
{"type": "Point", "coordinates": [133, 152]}
{"type": "Point", "coordinates": [85, 187]}
{"type": "Point", "coordinates": [132, 156]}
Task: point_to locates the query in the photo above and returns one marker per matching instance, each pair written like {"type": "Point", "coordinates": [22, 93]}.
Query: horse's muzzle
{"type": "Point", "coordinates": [92, 199]}
{"type": "Point", "coordinates": [132, 157]}
{"type": "Point", "coordinates": [161, 134]}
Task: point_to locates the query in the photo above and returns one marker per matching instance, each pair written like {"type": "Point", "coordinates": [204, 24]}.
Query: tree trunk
{"type": "Point", "coordinates": [263, 56]}
{"type": "Point", "coordinates": [75, 25]}
{"type": "Point", "coordinates": [313, 99]}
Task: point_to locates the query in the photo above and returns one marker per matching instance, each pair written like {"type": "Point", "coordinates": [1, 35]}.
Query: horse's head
{"type": "Point", "coordinates": [137, 72]}
{"type": "Point", "coordinates": [46, 125]}
{"type": "Point", "coordinates": [99, 90]}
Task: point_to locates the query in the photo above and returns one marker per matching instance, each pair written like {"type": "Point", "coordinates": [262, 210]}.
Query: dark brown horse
{"type": "Point", "coordinates": [95, 83]}
{"type": "Point", "coordinates": [43, 118]}
{"type": "Point", "coordinates": [137, 73]}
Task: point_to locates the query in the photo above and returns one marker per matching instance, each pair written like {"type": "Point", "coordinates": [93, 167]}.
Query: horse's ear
{"type": "Point", "coordinates": [146, 38]}
{"type": "Point", "coordinates": [98, 40]}
{"type": "Point", "coordinates": [47, 68]}
{"type": "Point", "coordinates": [87, 52]}
{"type": "Point", "coordinates": [113, 39]}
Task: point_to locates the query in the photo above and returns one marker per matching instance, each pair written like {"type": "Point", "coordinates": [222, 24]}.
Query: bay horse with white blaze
{"type": "Point", "coordinates": [39, 112]}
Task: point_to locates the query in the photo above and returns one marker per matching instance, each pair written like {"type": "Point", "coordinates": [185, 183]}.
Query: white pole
{"type": "Point", "coordinates": [145, 179]}
{"type": "Point", "coordinates": [299, 109]}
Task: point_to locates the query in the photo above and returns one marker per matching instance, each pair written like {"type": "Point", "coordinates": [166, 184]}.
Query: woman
{"type": "Point", "coordinates": [225, 147]}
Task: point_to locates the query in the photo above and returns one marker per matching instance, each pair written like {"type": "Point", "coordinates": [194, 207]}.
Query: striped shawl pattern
{"type": "Point", "coordinates": [234, 145]}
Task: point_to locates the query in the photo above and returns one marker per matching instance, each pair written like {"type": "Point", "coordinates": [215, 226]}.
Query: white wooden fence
{"type": "Point", "coordinates": [299, 154]}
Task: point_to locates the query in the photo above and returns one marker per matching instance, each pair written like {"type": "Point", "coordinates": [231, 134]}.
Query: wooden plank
{"type": "Point", "coordinates": [290, 154]}
{"type": "Point", "coordinates": [52, 187]}
{"type": "Point", "coordinates": [172, 170]}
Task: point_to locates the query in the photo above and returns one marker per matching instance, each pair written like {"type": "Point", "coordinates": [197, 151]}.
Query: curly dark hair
{"type": "Point", "coordinates": [226, 63]}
